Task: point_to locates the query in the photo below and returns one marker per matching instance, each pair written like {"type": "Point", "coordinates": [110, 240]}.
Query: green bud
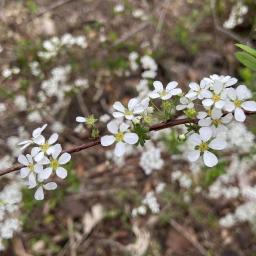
{"type": "Point", "coordinates": [95, 133]}
{"type": "Point", "coordinates": [182, 137]}
{"type": "Point", "coordinates": [190, 113]}
{"type": "Point", "coordinates": [90, 121]}
{"type": "Point", "coordinates": [148, 119]}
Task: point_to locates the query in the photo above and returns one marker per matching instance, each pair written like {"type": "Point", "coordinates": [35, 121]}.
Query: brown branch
{"type": "Point", "coordinates": [91, 144]}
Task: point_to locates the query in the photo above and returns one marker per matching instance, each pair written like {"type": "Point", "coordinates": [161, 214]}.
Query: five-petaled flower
{"type": "Point", "coordinates": [202, 144]}
{"type": "Point", "coordinates": [121, 135]}
{"type": "Point", "coordinates": [166, 93]}
{"type": "Point", "coordinates": [238, 102]}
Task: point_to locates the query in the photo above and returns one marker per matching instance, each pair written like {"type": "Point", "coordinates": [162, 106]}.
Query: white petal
{"type": "Point", "coordinates": [167, 96]}
{"type": "Point", "coordinates": [195, 139]}
{"type": "Point", "coordinates": [249, 105]}
{"type": "Point", "coordinates": [61, 172]}
{"type": "Point", "coordinates": [55, 151]}
{"type": "Point", "coordinates": [210, 159]}
{"type": "Point", "coordinates": [24, 172]}
{"type": "Point", "coordinates": [132, 103]}
{"type": "Point", "coordinates": [193, 155]}
{"type": "Point", "coordinates": [32, 180]}
{"type": "Point", "coordinates": [239, 115]}
{"type": "Point", "coordinates": [118, 114]}
{"type": "Point", "coordinates": [207, 102]}
{"type": "Point", "coordinates": [119, 149]}
{"type": "Point", "coordinates": [243, 92]}
{"type": "Point", "coordinates": [220, 104]}
{"type": "Point", "coordinates": [53, 139]}
{"type": "Point", "coordinates": [227, 118]}
{"type": "Point", "coordinates": [81, 119]}
{"type": "Point", "coordinates": [50, 186]}
{"type": "Point", "coordinates": [171, 85]}
{"type": "Point", "coordinates": [205, 122]}
{"type": "Point", "coordinates": [194, 86]}
{"type": "Point", "coordinates": [23, 160]}
{"type": "Point", "coordinates": [24, 142]}
{"type": "Point", "coordinates": [216, 113]}
{"type": "Point", "coordinates": [231, 94]}
{"type": "Point", "coordinates": [45, 174]}
{"type": "Point", "coordinates": [229, 106]}
{"type": "Point", "coordinates": [39, 156]}
{"type": "Point", "coordinates": [39, 195]}
{"type": "Point", "coordinates": [123, 127]}
{"type": "Point", "coordinates": [64, 158]}
{"type": "Point", "coordinates": [40, 140]}
{"type": "Point", "coordinates": [44, 161]}
{"type": "Point", "coordinates": [176, 91]}
{"type": "Point", "coordinates": [217, 87]}
{"type": "Point", "coordinates": [131, 138]}
{"type": "Point", "coordinates": [119, 106]}
{"type": "Point", "coordinates": [205, 133]}
{"type": "Point", "coordinates": [201, 115]}
{"type": "Point", "coordinates": [218, 144]}
{"type": "Point", "coordinates": [231, 82]}
{"type": "Point", "coordinates": [107, 140]}
{"type": "Point", "coordinates": [158, 86]}
{"type": "Point", "coordinates": [154, 95]}
{"type": "Point", "coordinates": [38, 168]}
{"type": "Point", "coordinates": [191, 94]}
{"type": "Point", "coordinates": [35, 151]}
{"type": "Point", "coordinates": [113, 127]}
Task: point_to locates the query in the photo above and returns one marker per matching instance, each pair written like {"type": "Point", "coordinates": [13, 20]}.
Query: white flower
{"type": "Point", "coordinates": [202, 144]}
{"type": "Point", "coordinates": [39, 194]}
{"type": "Point", "coordinates": [30, 169]}
{"type": "Point", "coordinates": [134, 108]}
{"type": "Point", "coordinates": [36, 137]}
{"type": "Point", "coordinates": [185, 103]}
{"type": "Point", "coordinates": [217, 97]}
{"type": "Point", "coordinates": [238, 102]}
{"type": "Point", "coordinates": [167, 93]}
{"type": "Point", "coordinates": [45, 147]}
{"type": "Point", "coordinates": [55, 164]}
{"type": "Point", "coordinates": [216, 119]}
{"type": "Point", "coordinates": [199, 91]}
{"type": "Point", "coordinates": [121, 136]}
{"type": "Point", "coordinates": [227, 81]}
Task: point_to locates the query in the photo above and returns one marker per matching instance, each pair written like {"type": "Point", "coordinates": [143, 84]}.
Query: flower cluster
{"type": "Point", "coordinates": [215, 102]}
{"type": "Point", "coordinates": [46, 158]}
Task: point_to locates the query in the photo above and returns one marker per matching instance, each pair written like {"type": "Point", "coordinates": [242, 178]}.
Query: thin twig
{"type": "Point", "coordinates": [96, 142]}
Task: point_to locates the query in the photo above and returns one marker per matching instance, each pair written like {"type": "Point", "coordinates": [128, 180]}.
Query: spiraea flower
{"type": "Point", "coordinates": [199, 91]}
{"type": "Point", "coordinates": [120, 135]}
{"type": "Point", "coordinates": [30, 169]}
{"type": "Point", "coordinates": [227, 81]}
{"type": "Point", "coordinates": [214, 119]}
{"type": "Point", "coordinates": [89, 121]}
{"type": "Point", "coordinates": [165, 94]}
{"type": "Point", "coordinates": [238, 102]}
{"type": "Point", "coordinates": [217, 96]}
{"type": "Point", "coordinates": [45, 147]}
{"type": "Point", "coordinates": [55, 163]}
{"type": "Point", "coordinates": [36, 138]}
{"type": "Point", "coordinates": [134, 109]}
{"type": "Point", "coordinates": [39, 194]}
{"type": "Point", "coordinates": [185, 103]}
{"type": "Point", "coordinates": [203, 143]}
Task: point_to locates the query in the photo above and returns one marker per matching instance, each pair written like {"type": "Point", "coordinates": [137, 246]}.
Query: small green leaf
{"type": "Point", "coordinates": [247, 49]}
{"type": "Point", "coordinates": [246, 59]}
{"type": "Point", "coordinates": [142, 133]}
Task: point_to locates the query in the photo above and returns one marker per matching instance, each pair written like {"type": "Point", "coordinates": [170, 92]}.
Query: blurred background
{"type": "Point", "coordinates": [64, 58]}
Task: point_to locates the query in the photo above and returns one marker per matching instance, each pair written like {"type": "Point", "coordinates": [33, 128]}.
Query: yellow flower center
{"type": "Point", "coordinates": [128, 112]}
{"type": "Point", "coordinates": [216, 122]}
{"type": "Point", "coordinates": [163, 93]}
{"type": "Point", "coordinates": [31, 167]}
{"type": "Point", "coordinates": [203, 146]}
{"type": "Point", "coordinates": [54, 164]}
{"type": "Point", "coordinates": [216, 97]}
{"type": "Point", "coordinates": [45, 147]}
{"type": "Point", "coordinates": [119, 136]}
{"type": "Point", "coordinates": [238, 103]}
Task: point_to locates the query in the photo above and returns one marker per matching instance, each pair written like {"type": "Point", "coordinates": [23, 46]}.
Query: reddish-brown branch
{"type": "Point", "coordinates": [90, 144]}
